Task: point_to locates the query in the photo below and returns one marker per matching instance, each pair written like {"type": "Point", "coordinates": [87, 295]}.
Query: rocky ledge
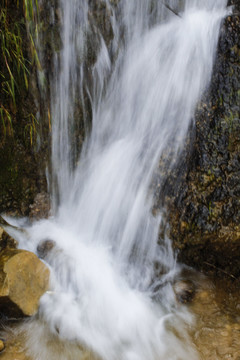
{"type": "Point", "coordinates": [203, 196]}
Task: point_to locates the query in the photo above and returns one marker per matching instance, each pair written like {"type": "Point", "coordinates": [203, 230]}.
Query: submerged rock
{"type": "Point", "coordinates": [23, 280]}
{"type": "Point", "coordinates": [44, 247]}
{"type": "Point", "coordinates": [184, 290]}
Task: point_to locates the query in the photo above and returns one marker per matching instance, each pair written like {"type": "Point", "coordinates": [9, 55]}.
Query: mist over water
{"type": "Point", "coordinates": [143, 89]}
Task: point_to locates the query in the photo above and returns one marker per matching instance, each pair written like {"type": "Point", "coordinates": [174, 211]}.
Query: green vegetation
{"type": "Point", "coordinates": [16, 37]}
{"type": "Point", "coordinates": [31, 14]}
{"type": "Point", "coordinates": [31, 128]}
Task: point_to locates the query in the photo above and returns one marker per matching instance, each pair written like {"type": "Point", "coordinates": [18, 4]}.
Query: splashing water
{"type": "Point", "coordinates": [143, 89]}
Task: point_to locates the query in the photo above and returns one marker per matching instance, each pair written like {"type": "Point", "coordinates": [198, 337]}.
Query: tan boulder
{"type": "Point", "coordinates": [23, 280]}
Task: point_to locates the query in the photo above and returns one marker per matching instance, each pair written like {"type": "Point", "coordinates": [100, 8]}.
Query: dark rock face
{"type": "Point", "coordinates": [21, 177]}
{"type": "Point", "coordinates": [205, 214]}
{"type": "Point", "coordinates": [6, 241]}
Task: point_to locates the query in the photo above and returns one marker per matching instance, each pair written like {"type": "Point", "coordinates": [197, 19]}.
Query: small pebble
{"type": "Point", "coordinates": [203, 295]}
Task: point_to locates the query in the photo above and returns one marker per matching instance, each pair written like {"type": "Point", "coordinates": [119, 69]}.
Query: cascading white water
{"type": "Point", "coordinates": [106, 237]}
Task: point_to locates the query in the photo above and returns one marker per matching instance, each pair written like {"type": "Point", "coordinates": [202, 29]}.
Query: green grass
{"type": "Point", "coordinates": [6, 121]}
{"type": "Point", "coordinates": [30, 130]}
{"type": "Point", "coordinates": [15, 67]}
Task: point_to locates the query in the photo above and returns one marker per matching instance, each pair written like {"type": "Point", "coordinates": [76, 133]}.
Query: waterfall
{"type": "Point", "coordinates": [143, 87]}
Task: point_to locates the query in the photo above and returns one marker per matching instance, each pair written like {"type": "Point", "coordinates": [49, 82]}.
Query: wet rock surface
{"type": "Point", "coordinates": [202, 196]}
{"type": "Point", "coordinates": [44, 247]}
{"type": "Point", "coordinates": [217, 313]}
{"type": "Point", "coordinates": [40, 208]}
{"type": "Point", "coordinates": [23, 280]}
{"type": "Point", "coordinates": [185, 291]}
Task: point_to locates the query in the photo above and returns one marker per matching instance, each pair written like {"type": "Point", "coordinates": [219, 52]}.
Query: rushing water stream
{"type": "Point", "coordinates": [143, 89]}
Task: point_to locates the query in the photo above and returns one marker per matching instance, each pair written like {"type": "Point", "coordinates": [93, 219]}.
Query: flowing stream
{"type": "Point", "coordinates": [143, 87]}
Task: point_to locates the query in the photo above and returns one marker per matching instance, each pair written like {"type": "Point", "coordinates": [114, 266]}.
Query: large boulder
{"type": "Point", "coordinates": [23, 280]}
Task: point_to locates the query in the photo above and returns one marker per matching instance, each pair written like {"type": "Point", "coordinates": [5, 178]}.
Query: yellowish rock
{"type": "Point", "coordinates": [2, 346]}
{"type": "Point", "coordinates": [23, 280]}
